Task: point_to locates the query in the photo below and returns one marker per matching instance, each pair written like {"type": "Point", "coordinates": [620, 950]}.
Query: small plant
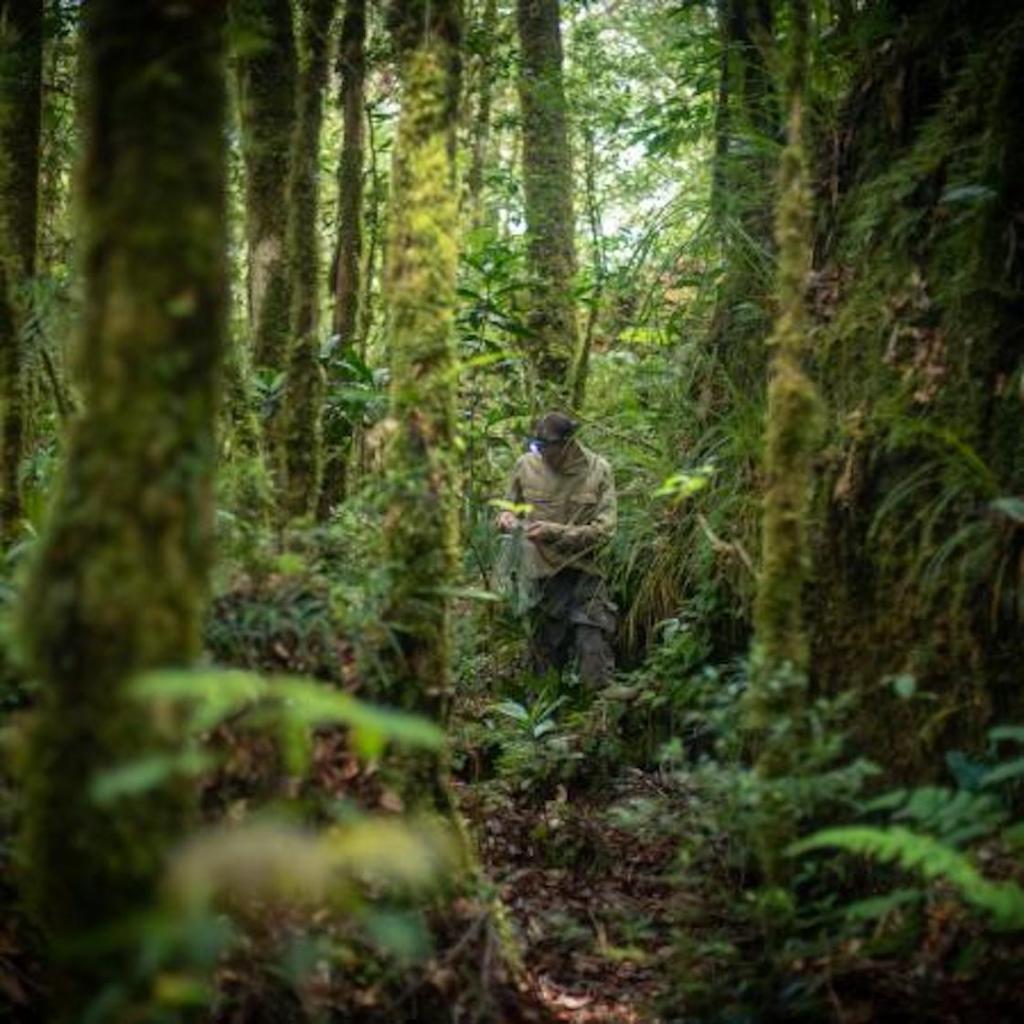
{"type": "Point", "coordinates": [927, 832]}
{"type": "Point", "coordinates": [536, 719]}
{"type": "Point", "coordinates": [535, 751]}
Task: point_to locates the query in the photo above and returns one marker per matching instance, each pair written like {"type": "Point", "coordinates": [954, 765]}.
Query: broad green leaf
{"type": "Point", "coordinates": [147, 773]}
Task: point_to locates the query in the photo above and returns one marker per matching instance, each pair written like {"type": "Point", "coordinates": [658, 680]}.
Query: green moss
{"type": "Point", "coordinates": [267, 81]}
{"type": "Point", "coordinates": [775, 703]}
{"type": "Point", "coordinates": [118, 581]}
{"type": "Point", "coordinates": [348, 257]}
{"type": "Point", "coordinates": [421, 525]}
{"type": "Point", "coordinates": [548, 191]}
{"type": "Point", "coordinates": [921, 359]}
{"type": "Point", "coordinates": [792, 435]}
{"type": "Point", "coordinates": [21, 57]}
{"type": "Point", "coordinates": [304, 385]}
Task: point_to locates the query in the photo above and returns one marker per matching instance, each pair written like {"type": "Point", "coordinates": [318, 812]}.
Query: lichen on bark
{"type": "Point", "coordinates": [118, 579]}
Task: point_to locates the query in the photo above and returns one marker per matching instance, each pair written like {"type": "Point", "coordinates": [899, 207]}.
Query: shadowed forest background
{"type": "Point", "coordinates": [284, 287]}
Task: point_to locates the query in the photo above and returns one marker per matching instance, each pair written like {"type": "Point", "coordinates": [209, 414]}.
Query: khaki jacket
{"type": "Point", "coordinates": [580, 499]}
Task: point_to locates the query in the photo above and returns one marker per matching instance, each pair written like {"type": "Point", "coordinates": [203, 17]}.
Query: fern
{"type": "Point", "coordinates": [929, 857]}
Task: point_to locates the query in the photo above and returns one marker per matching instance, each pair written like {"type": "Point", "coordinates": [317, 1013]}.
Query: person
{"type": "Point", "coordinates": [568, 493]}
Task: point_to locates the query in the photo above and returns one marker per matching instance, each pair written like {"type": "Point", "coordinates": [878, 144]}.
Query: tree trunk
{"type": "Point", "coordinates": [421, 525]}
{"type": "Point", "coordinates": [547, 184]}
{"type": "Point", "coordinates": [792, 430]}
{"type": "Point", "coordinates": [304, 389]}
{"type": "Point", "coordinates": [21, 57]}
{"type": "Point", "coordinates": [58, 139]}
{"type": "Point", "coordinates": [118, 583]}
{"type": "Point", "coordinates": [267, 82]}
{"type": "Point", "coordinates": [481, 128]}
{"type": "Point", "coordinates": [348, 258]}
{"type": "Point", "coordinates": [377, 200]}
{"type": "Point", "coordinates": [245, 486]}
{"type": "Point", "coordinates": [920, 362]}
{"type": "Point", "coordinates": [581, 365]}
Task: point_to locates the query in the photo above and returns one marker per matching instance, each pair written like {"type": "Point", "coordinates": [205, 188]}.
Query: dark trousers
{"type": "Point", "coordinates": [574, 619]}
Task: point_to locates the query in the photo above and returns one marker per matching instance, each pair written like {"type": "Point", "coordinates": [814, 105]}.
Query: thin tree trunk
{"type": "Point", "coordinates": [791, 436]}
{"type": "Point", "coordinates": [348, 259]}
{"type": "Point", "coordinates": [582, 363]}
{"type": "Point", "coordinates": [267, 80]}
{"type": "Point", "coordinates": [58, 140]}
{"type": "Point", "coordinates": [377, 198]}
{"type": "Point", "coordinates": [481, 129]}
{"type": "Point", "coordinates": [547, 183]}
{"type": "Point", "coordinates": [249, 492]}
{"type": "Point", "coordinates": [421, 526]}
{"type": "Point", "coordinates": [21, 58]}
{"type": "Point", "coordinates": [119, 580]}
{"type": "Point", "coordinates": [352, 60]}
{"type": "Point", "coordinates": [304, 387]}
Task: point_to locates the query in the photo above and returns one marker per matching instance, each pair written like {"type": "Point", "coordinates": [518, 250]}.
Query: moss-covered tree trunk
{"type": "Point", "coordinates": [376, 202]}
{"type": "Point", "coordinates": [422, 465]}
{"type": "Point", "coordinates": [303, 396]}
{"type": "Point", "coordinates": [246, 488]}
{"type": "Point", "coordinates": [267, 82]}
{"type": "Point", "coordinates": [480, 137]}
{"type": "Point", "coordinates": [118, 582]}
{"type": "Point", "coordinates": [778, 679]}
{"type": "Point", "coordinates": [922, 356]}
{"type": "Point", "coordinates": [349, 252]}
{"type": "Point", "coordinates": [548, 189]}
{"type": "Point", "coordinates": [21, 58]}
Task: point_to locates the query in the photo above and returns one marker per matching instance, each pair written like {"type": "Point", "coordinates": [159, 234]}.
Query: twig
{"type": "Point", "coordinates": [727, 547]}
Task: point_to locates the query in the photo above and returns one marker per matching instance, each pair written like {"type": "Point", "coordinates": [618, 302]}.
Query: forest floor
{"type": "Point", "coordinates": [587, 874]}
{"type": "Point", "coordinates": [592, 903]}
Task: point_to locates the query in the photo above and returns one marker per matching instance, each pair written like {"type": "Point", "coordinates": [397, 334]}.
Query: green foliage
{"type": "Point", "coordinates": [349, 880]}
{"type": "Point", "coordinates": [535, 749]}
{"type": "Point", "coordinates": [212, 696]}
{"type": "Point", "coordinates": [929, 857]}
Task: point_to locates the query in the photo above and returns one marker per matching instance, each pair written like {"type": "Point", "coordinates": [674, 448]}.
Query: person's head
{"type": "Point", "coordinates": [553, 438]}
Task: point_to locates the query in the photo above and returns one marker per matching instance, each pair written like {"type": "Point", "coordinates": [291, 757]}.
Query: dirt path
{"type": "Point", "coordinates": [592, 900]}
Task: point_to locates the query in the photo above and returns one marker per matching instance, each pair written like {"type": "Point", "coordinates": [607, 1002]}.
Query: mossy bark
{"type": "Point", "coordinates": [421, 525]}
{"type": "Point", "coordinates": [304, 385]}
{"type": "Point", "coordinates": [920, 353]}
{"type": "Point", "coordinates": [267, 84]}
{"type": "Point", "coordinates": [793, 418]}
{"type": "Point", "coordinates": [548, 191]}
{"type": "Point", "coordinates": [352, 61]}
{"type": "Point", "coordinates": [246, 487]}
{"type": "Point", "coordinates": [59, 138]}
{"type": "Point", "coordinates": [775, 699]}
{"type": "Point", "coordinates": [481, 128]}
{"type": "Point", "coordinates": [21, 57]}
{"type": "Point", "coordinates": [118, 581]}
{"type": "Point", "coordinates": [349, 252]}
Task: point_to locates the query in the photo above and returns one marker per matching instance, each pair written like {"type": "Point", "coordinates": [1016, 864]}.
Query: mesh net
{"type": "Point", "coordinates": [519, 589]}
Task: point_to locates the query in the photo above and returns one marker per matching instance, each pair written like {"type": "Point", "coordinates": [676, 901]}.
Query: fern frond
{"type": "Point", "coordinates": [930, 858]}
